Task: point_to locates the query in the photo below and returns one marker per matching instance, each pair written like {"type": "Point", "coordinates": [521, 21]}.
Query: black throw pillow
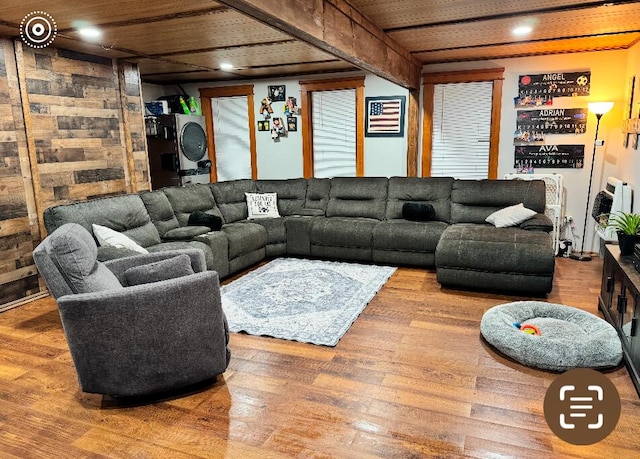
{"type": "Point", "coordinates": [418, 211]}
{"type": "Point", "coordinates": [199, 218]}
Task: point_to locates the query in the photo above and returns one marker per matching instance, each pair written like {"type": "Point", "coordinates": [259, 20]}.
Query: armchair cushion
{"type": "Point", "coordinates": [107, 236]}
{"type": "Point", "coordinates": [170, 268]}
{"type": "Point", "coordinates": [73, 252]}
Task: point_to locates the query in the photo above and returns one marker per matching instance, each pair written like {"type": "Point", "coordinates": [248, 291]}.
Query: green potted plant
{"type": "Point", "coordinates": [627, 226]}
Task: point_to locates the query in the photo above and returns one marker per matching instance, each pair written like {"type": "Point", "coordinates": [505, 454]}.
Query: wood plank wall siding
{"type": "Point", "coordinates": [71, 128]}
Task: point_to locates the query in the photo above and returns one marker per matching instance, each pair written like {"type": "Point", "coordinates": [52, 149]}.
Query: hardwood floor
{"type": "Point", "coordinates": [411, 378]}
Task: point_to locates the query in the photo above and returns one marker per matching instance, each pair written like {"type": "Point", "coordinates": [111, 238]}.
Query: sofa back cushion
{"type": "Point", "coordinates": [291, 194]}
{"type": "Point", "coordinates": [231, 199]}
{"type": "Point", "coordinates": [317, 193]}
{"type": "Point", "coordinates": [160, 211]}
{"type": "Point", "coordinates": [188, 199]}
{"type": "Point", "coordinates": [472, 201]}
{"type": "Point", "coordinates": [125, 214]}
{"type": "Point", "coordinates": [358, 197]}
{"type": "Point", "coordinates": [431, 190]}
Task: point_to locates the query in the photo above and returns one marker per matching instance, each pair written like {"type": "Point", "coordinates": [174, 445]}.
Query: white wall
{"type": "Point", "coordinates": [279, 160]}
{"type": "Point", "coordinates": [152, 91]}
{"type": "Point", "coordinates": [608, 82]}
{"type": "Point", "coordinates": [628, 160]}
{"type": "Point", "coordinates": [385, 156]}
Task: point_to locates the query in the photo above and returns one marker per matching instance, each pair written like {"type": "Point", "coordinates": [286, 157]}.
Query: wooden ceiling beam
{"type": "Point", "coordinates": [339, 29]}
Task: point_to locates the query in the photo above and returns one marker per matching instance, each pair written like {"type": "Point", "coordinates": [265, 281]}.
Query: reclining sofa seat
{"type": "Point", "coordinates": [400, 241]}
{"type": "Point", "coordinates": [126, 214]}
{"type": "Point", "coordinates": [473, 253]}
{"type": "Point", "coordinates": [247, 240]}
{"type": "Point", "coordinates": [170, 209]}
{"type": "Point", "coordinates": [354, 208]}
{"type": "Point", "coordinates": [291, 200]}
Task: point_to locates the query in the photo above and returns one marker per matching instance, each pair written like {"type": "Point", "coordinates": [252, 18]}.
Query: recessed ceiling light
{"type": "Point", "coordinates": [226, 66]}
{"type": "Point", "coordinates": [522, 30]}
{"type": "Point", "coordinates": [87, 30]}
{"type": "Point", "coordinates": [90, 33]}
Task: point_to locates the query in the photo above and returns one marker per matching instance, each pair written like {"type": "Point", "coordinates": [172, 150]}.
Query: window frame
{"type": "Point", "coordinates": [306, 89]}
{"type": "Point", "coordinates": [206, 94]}
{"type": "Point", "coordinates": [429, 80]}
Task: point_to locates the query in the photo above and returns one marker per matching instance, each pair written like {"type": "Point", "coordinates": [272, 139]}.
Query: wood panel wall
{"type": "Point", "coordinates": [71, 129]}
{"type": "Point", "coordinates": [19, 232]}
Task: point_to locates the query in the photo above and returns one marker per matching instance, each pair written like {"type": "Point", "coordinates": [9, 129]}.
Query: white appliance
{"type": "Point", "coordinates": [195, 167]}
{"type": "Point", "coordinates": [616, 197]}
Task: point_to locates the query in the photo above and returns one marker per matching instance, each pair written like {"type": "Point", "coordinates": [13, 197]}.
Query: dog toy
{"type": "Point", "coordinates": [528, 328]}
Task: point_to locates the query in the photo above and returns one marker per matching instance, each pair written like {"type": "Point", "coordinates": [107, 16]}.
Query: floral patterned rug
{"type": "Point", "coordinates": [312, 301]}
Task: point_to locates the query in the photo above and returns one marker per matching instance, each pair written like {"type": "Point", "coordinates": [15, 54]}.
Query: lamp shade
{"type": "Point", "coordinates": [600, 108]}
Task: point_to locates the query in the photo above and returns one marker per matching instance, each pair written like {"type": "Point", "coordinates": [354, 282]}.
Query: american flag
{"type": "Point", "coordinates": [384, 116]}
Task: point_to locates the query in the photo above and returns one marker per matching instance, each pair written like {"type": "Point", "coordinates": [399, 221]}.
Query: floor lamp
{"type": "Point", "coordinates": [598, 109]}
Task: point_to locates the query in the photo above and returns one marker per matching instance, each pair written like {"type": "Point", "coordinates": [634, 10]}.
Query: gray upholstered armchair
{"type": "Point", "coordinates": [137, 325]}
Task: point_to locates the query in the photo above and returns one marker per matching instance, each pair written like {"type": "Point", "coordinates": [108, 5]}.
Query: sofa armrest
{"type": "Point", "coordinates": [185, 233]}
{"type": "Point", "coordinates": [539, 222]}
{"type": "Point", "coordinates": [147, 338]}
{"type": "Point", "coordinates": [120, 265]}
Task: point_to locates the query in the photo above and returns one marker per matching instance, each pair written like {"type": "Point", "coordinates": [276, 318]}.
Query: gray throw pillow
{"type": "Point", "coordinates": [160, 270]}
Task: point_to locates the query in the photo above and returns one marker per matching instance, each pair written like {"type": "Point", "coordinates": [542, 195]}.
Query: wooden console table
{"type": "Point", "coordinates": [619, 302]}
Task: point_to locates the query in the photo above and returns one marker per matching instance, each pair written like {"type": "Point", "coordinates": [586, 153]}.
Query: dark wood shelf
{"type": "Point", "coordinates": [619, 303]}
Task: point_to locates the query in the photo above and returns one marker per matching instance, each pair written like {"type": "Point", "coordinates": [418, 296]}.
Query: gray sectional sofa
{"type": "Point", "coordinates": [356, 219]}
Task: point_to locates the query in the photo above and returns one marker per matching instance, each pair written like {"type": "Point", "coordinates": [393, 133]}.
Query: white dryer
{"type": "Point", "coordinates": [195, 166]}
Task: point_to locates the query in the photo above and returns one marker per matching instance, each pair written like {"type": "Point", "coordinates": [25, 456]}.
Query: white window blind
{"type": "Point", "coordinates": [334, 133]}
{"type": "Point", "coordinates": [461, 130]}
{"type": "Point", "coordinates": [231, 137]}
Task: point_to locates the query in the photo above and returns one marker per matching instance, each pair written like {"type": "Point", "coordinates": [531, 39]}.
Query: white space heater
{"type": "Point", "coordinates": [616, 197]}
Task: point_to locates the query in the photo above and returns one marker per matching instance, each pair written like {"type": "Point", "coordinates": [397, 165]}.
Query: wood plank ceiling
{"type": "Point", "coordinates": [187, 40]}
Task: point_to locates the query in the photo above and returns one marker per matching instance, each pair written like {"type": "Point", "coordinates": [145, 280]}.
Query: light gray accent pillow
{"type": "Point", "coordinates": [107, 236]}
{"type": "Point", "coordinates": [160, 270]}
{"type": "Point", "coordinates": [510, 216]}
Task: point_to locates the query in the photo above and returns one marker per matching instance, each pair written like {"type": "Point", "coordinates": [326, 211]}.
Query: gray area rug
{"type": "Point", "coordinates": [312, 301]}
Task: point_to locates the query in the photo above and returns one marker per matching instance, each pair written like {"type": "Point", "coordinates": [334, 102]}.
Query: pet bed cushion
{"type": "Point", "coordinates": [569, 337]}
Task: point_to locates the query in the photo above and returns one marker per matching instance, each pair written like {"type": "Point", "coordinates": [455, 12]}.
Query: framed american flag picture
{"type": "Point", "coordinates": [384, 116]}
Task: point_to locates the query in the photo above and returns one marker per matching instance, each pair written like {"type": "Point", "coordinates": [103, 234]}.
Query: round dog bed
{"type": "Point", "coordinates": [569, 337]}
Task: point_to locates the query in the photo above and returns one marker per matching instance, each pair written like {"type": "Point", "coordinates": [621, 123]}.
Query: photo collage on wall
{"type": "Point", "coordinates": [631, 122]}
{"type": "Point", "coordinates": [278, 126]}
{"type": "Point", "coordinates": [536, 93]}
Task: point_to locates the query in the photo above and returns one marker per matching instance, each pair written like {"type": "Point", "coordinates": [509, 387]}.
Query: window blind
{"type": "Point", "coordinates": [461, 130]}
{"type": "Point", "coordinates": [231, 137]}
{"type": "Point", "coordinates": [334, 133]}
